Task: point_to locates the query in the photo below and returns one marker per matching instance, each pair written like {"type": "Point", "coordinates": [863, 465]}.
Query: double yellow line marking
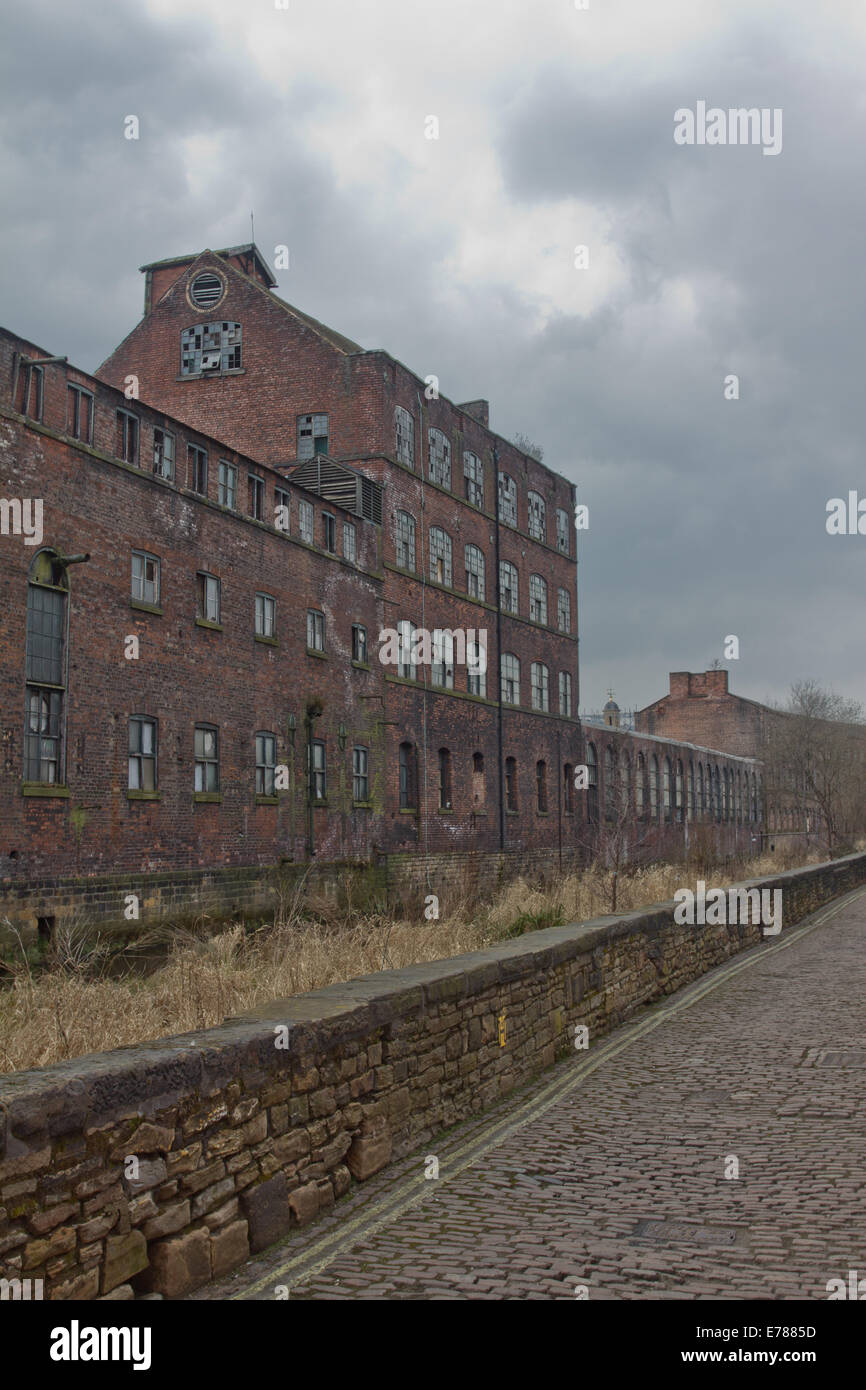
{"type": "Point", "coordinates": [413, 1190]}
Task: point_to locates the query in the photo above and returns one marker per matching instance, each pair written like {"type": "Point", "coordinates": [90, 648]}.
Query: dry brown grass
{"type": "Point", "coordinates": [74, 1007]}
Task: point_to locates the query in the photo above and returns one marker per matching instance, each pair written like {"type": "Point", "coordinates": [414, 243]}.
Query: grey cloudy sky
{"type": "Point", "coordinates": [707, 516]}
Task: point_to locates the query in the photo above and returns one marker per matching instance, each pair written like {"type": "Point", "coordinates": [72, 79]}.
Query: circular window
{"type": "Point", "coordinates": [206, 290]}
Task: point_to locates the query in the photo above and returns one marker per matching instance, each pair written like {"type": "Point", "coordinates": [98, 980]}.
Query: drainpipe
{"type": "Point", "coordinates": [499, 657]}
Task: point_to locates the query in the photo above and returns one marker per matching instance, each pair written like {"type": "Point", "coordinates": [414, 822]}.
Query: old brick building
{"type": "Point", "coordinates": [214, 657]}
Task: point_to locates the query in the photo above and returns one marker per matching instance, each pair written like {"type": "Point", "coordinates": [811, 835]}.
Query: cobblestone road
{"type": "Point", "coordinates": [609, 1173]}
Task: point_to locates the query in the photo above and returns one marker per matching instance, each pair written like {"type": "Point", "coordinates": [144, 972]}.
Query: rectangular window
{"type": "Point", "coordinates": [46, 623]}
{"type": "Point", "coordinates": [207, 767]}
{"type": "Point", "coordinates": [318, 771]}
{"type": "Point", "coordinates": [407, 778]}
{"type": "Point", "coordinates": [197, 469]}
{"type": "Point", "coordinates": [442, 667]}
{"type": "Point", "coordinates": [163, 454]}
{"type": "Point", "coordinates": [359, 643]}
{"type": "Point", "coordinates": [126, 446]}
{"type": "Point", "coordinates": [145, 577]}
{"type": "Point", "coordinates": [406, 649]}
{"type": "Point", "coordinates": [266, 762]}
{"type": "Point", "coordinates": [476, 682]}
{"type": "Point", "coordinates": [282, 505]}
{"type": "Point", "coordinates": [208, 598]}
{"type": "Point", "coordinates": [33, 392]}
{"type": "Point", "coordinates": [227, 485]}
{"type": "Point", "coordinates": [306, 516]}
{"type": "Point", "coordinates": [360, 774]}
{"type": "Point", "coordinates": [312, 435]}
{"type": "Point", "coordinates": [266, 615]}
{"type": "Point", "coordinates": [329, 533]}
{"type": "Point", "coordinates": [405, 538]}
{"type": "Point", "coordinates": [473, 473]}
{"type": "Point", "coordinates": [79, 413]}
{"type": "Point", "coordinates": [257, 497]}
{"type": "Point", "coordinates": [349, 541]}
{"type": "Point", "coordinates": [42, 736]}
{"type": "Point", "coordinates": [562, 531]}
{"type": "Point", "coordinates": [565, 694]}
{"type": "Point", "coordinates": [315, 630]}
{"type": "Point", "coordinates": [142, 754]}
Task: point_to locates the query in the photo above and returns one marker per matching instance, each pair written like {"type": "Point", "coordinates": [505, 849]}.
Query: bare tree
{"type": "Point", "coordinates": [524, 443]}
{"type": "Point", "coordinates": [813, 751]}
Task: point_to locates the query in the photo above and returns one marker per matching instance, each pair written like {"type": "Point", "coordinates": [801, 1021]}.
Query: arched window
{"type": "Point", "coordinates": [541, 784]}
{"type": "Point", "coordinates": [508, 587]}
{"type": "Point", "coordinates": [717, 792]}
{"type": "Point", "coordinates": [678, 792]}
{"type": "Point", "coordinates": [591, 783]}
{"type": "Point", "coordinates": [640, 785]}
{"type": "Point", "coordinates": [510, 784]}
{"type": "Point", "coordinates": [738, 803]}
{"type": "Point", "coordinates": [404, 540]}
{"type": "Point", "coordinates": [444, 779]}
{"type": "Point", "coordinates": [507, 500]}
{"type": "Point", "coordinates": [45, 670]}
{"type": "Point", "coordinates": [438, 458]}
{"type": "Point", "coordinates": [510, 679]}
{"type": "Point", "coordinates": [563, 610]}
{"type": "Point", "coordinates": [474, 572]}
{"type": "Point", "coordinates": [479, 789]}
{"type": "Point", "coordinates": [690, 791]}
{"type": "Point", "coordinates": [537, 518]}
{"type": "Point", "coordinates": [540, 683]}
{"type": "Point", "coordinates": [609, 783]}
{"type": "Point", "coordinates": [537, 599]}
{"type": "Point", "coordinates": [625, 785]}
{"type": "Point", "coordinates": [473, 477]}
{"type": "Point", "coordinates": [440, 556]}
{"type": "Point", "coordinates": [654, 787]}
{"type": "Point", "coordinates": [404, 436]}
{"type": "Point", "coordinates": [568, 789]}
{"type": "Point", "coordinates": [210, 347]}
{"type": "Point", "coordinates": [700, 793]}
{"type": "Point", "coordinates": [408, 781]}
{"type": "Point", "coordinates": [666, 788]}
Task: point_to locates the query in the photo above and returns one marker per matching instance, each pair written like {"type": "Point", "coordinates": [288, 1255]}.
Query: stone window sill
{"type": "Point", "coordinates": [143, 607]}
{"type": "Point", "coordinates": [215, 797]}
{"type": "Point", "coordinates": [44, 789]}
{"type": "Point", "coordinates": [267, 801]}
{"type": "Point", "coordinates": [267, 641]}
{"type": "Point", "coordinates": [206, 622]}
{"type": "Point", "coordinates": [134, 795]}
{"type": "Point", "coordinates": [313, 651]}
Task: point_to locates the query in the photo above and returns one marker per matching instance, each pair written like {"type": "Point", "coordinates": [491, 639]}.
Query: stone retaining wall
{"type": "Point", "coordinates": [158, 1167]}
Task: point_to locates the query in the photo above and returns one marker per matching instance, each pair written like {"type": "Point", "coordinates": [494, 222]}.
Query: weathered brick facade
{"type": "Point", "coordinates": [406, 760]}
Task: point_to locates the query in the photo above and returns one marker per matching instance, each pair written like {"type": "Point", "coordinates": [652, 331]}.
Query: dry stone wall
{"type": "Point", "coordinates": [155, 1168]}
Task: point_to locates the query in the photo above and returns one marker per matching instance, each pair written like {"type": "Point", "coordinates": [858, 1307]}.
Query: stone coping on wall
{"type": "Point", "coordinates": [144, 1073]}
{"type": "Point", "coordinates": [238, 1140]}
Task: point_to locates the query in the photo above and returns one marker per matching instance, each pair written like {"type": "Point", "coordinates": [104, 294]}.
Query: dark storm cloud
{"type": "Point", "coordinates": [707, 516]}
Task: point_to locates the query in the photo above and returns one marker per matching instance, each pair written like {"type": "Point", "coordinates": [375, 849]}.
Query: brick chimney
{"type": "Point", "coordinates": [479, 410]}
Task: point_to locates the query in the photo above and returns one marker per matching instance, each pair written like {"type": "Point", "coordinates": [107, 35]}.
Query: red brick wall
{"type": "Point", "coordinates": [700, 709]}
{"type": "Point", "coordinates": [185, 673]}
